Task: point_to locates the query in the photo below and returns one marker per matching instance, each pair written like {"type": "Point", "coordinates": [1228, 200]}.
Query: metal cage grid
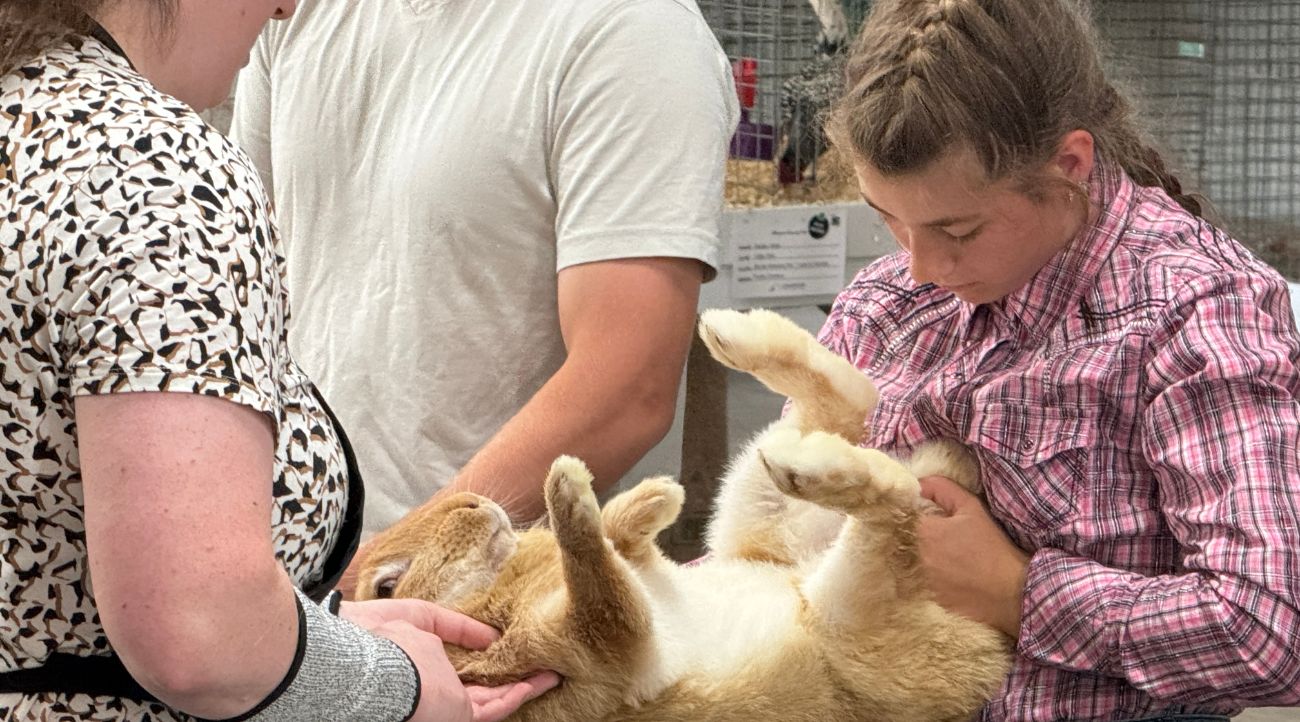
{"type": "Point", "coordinates": [1219, 83]}
{"type": "Point", "coordinates": [779, 36]}
{"type": "Point", "coordinates": [770, 44]}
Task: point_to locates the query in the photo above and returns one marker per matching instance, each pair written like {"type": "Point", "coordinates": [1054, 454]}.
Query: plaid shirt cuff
{"type": "Point", "coordinates": [1070, 618]}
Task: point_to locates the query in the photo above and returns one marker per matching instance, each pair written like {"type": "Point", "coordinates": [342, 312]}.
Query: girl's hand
{"type": "Point", "coordinates": [970, 564]}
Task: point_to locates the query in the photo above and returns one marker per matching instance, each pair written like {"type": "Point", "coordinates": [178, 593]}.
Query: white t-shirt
{"type": "Point", "coordinates": [436, 162]}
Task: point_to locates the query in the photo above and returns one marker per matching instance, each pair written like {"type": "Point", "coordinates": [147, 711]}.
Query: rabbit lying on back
{"type": "Point", "coordinates": [810, 606]}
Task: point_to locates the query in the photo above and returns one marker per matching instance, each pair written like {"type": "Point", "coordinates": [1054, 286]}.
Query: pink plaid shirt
{"type": "Point", "coordinates": [1134, 410]}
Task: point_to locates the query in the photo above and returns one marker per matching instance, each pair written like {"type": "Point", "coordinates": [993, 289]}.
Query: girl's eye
{"type": "Point", "coordinates": [965, 237]}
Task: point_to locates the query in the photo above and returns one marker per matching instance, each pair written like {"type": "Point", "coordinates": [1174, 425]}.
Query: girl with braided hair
{"type": "Point", "coordinates": [176, 497]}
{"type": "Point", "coordinates": [1127, 374]}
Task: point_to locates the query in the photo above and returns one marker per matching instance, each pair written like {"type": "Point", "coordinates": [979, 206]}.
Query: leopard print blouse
{"type": "Point", "coordinates": [137, 253]}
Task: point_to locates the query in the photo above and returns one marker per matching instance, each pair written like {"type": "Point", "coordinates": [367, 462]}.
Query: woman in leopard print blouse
{"type": "Point", "coordinates": [138, 257]}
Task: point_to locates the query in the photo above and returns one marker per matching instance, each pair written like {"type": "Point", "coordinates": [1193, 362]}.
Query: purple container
{"type": "Point", "coordinates": [753, 141]}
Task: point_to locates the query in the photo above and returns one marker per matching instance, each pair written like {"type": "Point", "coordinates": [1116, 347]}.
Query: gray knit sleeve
{"type": "Point", "coordinates": [341, 672]}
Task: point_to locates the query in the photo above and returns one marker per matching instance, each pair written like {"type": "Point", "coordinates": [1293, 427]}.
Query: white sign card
{"type": "Point", "coordinates": [781, 252]}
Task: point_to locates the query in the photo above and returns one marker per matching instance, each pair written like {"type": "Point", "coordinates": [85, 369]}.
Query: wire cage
{"type": "Point", "coordinates": [1219, 82]}
{"type": "Point", "coordinates": [787, 71]}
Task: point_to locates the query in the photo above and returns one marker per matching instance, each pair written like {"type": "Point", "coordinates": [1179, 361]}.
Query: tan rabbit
{"type": "Point", "coordinates": [810, 606]}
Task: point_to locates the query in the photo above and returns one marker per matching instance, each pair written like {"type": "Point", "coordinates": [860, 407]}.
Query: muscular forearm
{"type": "Point", "coordinates": [627, 326]}
{"type": "Point", "coordinates": [609, 425]}
{"type": "Point", "coordinates": [609, 420]}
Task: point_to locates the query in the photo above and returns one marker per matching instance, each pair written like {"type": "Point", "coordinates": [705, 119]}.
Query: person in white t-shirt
{"type": "Point", "coordinates": [497, 216]}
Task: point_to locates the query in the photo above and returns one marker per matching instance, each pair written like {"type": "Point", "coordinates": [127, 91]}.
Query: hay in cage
{"type": "Point", "coordinates": [753, 183]}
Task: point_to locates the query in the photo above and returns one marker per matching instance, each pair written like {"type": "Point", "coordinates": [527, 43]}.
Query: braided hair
{"type": "Point", "coordinates": [1005, 78]}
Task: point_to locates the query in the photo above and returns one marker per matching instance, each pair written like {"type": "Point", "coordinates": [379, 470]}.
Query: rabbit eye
{"type": "Point", "coordinates": [387, 577]}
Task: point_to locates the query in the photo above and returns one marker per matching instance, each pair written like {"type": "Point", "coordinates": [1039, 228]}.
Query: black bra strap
{"type": "Point", "coordinates": [70, 674]}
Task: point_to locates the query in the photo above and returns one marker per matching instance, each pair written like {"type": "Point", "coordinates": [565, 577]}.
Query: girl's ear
{"type": "Point", "coordinates": [1074, 157]}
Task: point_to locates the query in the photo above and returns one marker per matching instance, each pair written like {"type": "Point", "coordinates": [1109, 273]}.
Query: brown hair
{"type": "Point", "coordinates": [28, 26]}
{"type": "Point", "coordinates": [1006, 78]}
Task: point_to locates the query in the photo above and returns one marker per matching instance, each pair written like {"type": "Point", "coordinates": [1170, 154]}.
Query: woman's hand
{"type": "Point", "coordinates": [493, 704]}
{"type": "Point", "coordinates": [970, 564]}
{"type": "Point", "coordinates": [420, 628]}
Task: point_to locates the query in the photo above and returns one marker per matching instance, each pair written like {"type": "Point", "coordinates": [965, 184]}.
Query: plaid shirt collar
{"type": "Point", "coordinates": [1069, 276]}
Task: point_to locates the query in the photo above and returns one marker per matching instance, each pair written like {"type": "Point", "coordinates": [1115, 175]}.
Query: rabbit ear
{"type": "Point", "coordinates": [386, 578]}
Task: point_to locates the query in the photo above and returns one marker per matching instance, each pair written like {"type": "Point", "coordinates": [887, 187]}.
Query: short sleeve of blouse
{"type": "Point", "coordinates": [166, 275]}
